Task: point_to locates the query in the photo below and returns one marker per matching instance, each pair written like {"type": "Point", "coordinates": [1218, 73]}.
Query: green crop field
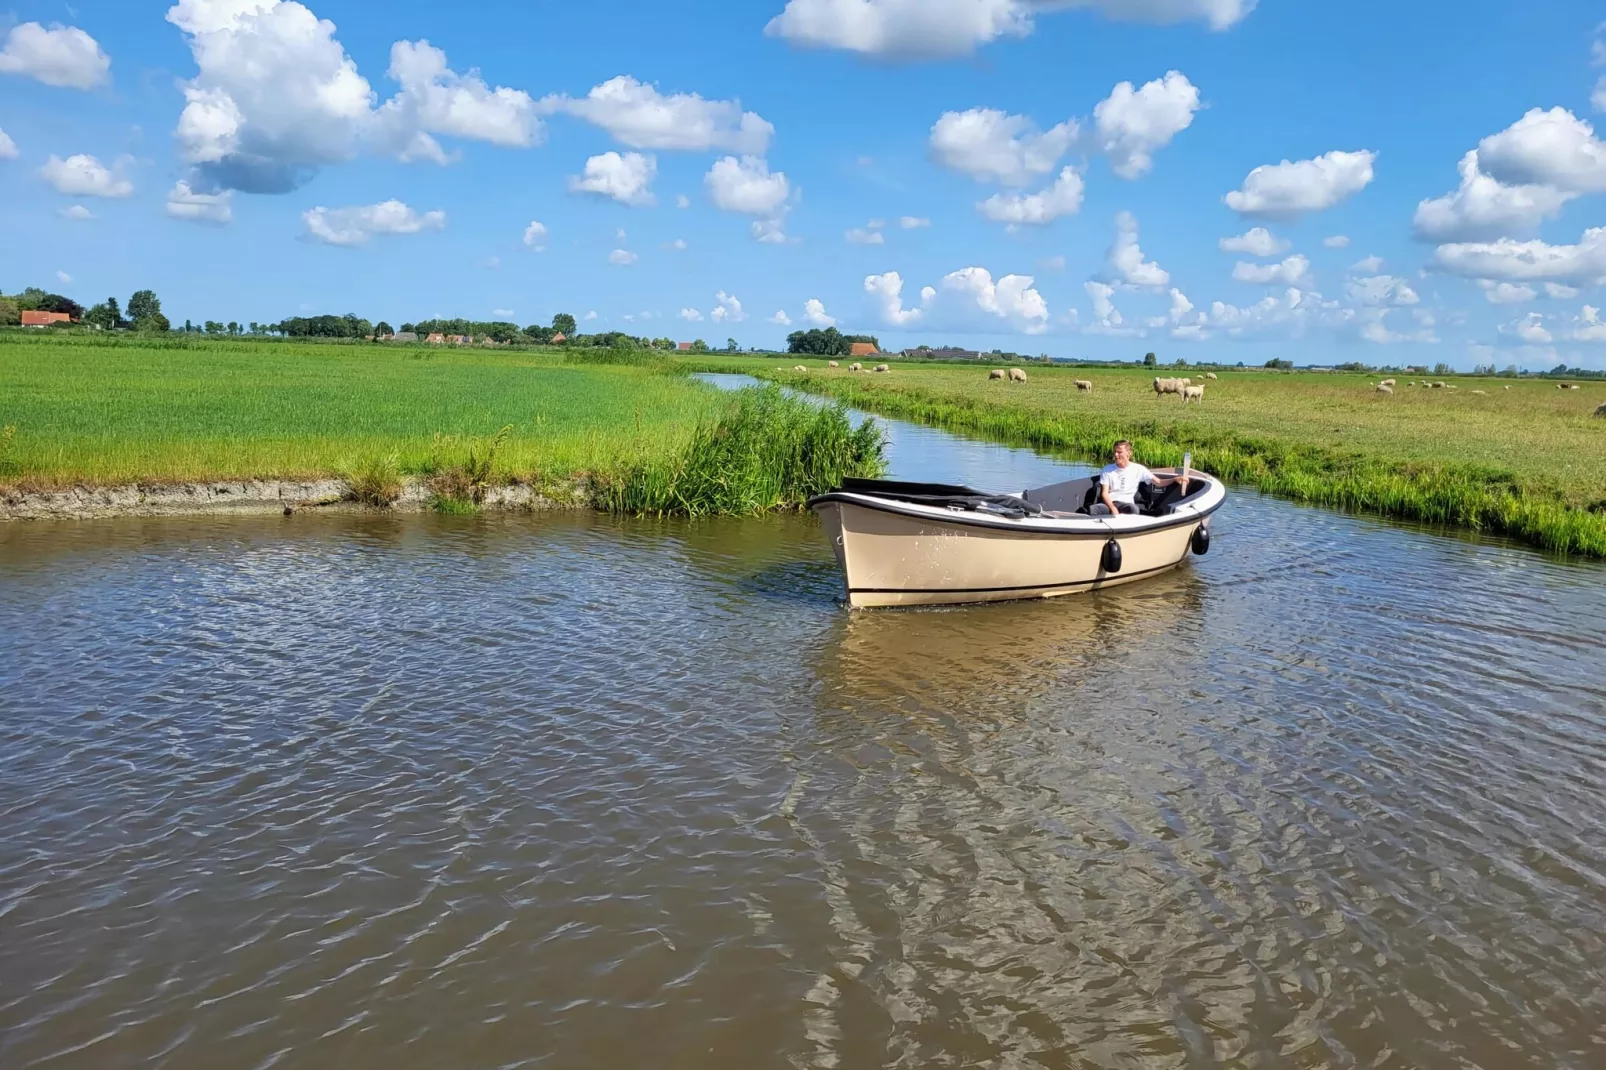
{"type": "Point", "coordinates": [111, 411]}
{"type": "Point", "coordinates": [1529, 461]}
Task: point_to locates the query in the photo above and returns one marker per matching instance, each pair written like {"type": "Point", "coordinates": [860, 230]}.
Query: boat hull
{"type": "Point", "coordinates": [891, 558]}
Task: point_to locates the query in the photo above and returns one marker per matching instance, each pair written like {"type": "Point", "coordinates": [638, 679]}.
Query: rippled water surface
{"type": "Point", "coordinates": [567, 791]}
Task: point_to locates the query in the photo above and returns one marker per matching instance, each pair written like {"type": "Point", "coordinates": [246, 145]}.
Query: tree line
{"type": "Point", "coordinates": [144, 310]}
{"type": "Point", "coordinates": [826, 343]}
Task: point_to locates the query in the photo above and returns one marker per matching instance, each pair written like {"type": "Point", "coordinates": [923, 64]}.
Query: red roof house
{"type": "Point", "coordinates": [862, 349]}
{"type": "Point", "coordinates": [559, 336]}
{"type": "Point", "coordinates": [33, 318]}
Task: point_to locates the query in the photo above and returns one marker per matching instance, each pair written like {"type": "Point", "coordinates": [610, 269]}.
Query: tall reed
{"type": "Point", "coordinates": [768, 451]}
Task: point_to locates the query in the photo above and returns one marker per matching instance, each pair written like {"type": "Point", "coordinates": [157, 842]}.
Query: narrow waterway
{"type": "Point", "coordinates": [572, 791]}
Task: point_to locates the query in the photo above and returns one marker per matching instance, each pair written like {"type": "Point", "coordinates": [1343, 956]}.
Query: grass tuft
{"type": "Point", "coordinates": [768, 451]}
{"type": "Point", "coordinates": [376, 480]}
{"type": "Point", "coordinates": [460, 487]}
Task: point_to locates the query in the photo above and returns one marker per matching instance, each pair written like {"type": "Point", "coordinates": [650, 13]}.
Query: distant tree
{"type": "Point", "coordinates": [1150, 360]}
{"type": "Point", "coordinates": [827, 343]}
{"type": "Point", "coordinates": [234, 328]}
{"type": "Point", "coordinates": [1180, 362]}
{"type": "Point", "coordinates": [214, 327]}
{"type": "Point", "coordinates": [1442, 368]}
{"type": "Point", "coordinates": [141, 307]}
{"type": "Point", "coordinates": [699, 346]}
{"type": "Point", "coordinates": [408, 328]}
{"type": "Point", "coordinates": [538, 334]}
{"type": "Point", "coordinates": [105, 315]}
{"type": "Point", "coordinates": [500, 332]}
{"type": "Point", "coordinates": [1511, 371]}
{"type": "Point", "coordinates": [188, 326]}
{"type": "Point", "coordinates": [10, 314]}
{"type": "Point", "coordinates": [731, 346]}
{"type": "Point", "coordinates": [564, 324]}
{"type": "Point", "coordinates": [1281, 364]}
{"type": "Point", "coordinates": [347, 326]}
{"type": "Point", "coordinates": [33, 299]}
{"type": "Point", "coordinates": [381, 329]}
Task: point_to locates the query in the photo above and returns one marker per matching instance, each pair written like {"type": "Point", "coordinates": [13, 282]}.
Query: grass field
{"type": "Point", "coordinates": [125, 410]}
{"type": "Point", "coordinates": [1529, 461]}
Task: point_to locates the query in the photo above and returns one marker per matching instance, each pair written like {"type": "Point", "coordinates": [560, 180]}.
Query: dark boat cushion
{"type": "Point", "coordinates": [945, 497]}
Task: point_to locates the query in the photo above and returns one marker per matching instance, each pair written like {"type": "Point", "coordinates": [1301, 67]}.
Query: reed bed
{"type": "Point", "coordinates": [1521, 463]}
{"type": "Point", "coordinates": [768, 451]}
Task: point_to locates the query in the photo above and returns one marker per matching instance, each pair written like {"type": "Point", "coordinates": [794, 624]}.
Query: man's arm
{"type": "Point", "coordinates": [1109, 502]}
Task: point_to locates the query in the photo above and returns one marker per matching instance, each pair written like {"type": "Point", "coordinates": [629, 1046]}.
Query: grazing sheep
{"type": "Point", "coordinates": [855, 367]}
{"type": "Point", "coordinates": [1388, 382]}
{"type": "Point", "coordinates": [1600, 411]}
{"type": "Point", "coordinates": [1210, 375]}
{"type": "Point", "coordinates": [1505, 388]}
{"type": "Point", "coordinates": [1167, 386]}
{"type": "Point", "coordinates": [799, 368]}
{"type": "Point", "coordinates": [1575, 386]}
{"type": "Point", "coordinates": [1481, 393]}
{"type": "Point", "coordinates": [882, 368]}
{"type": "Point", "coordinates": [1016, 375]}
{"type": "Point", "coordinates": [1192, 393]}
{"type": "Point", "coordinates": [1384, 388]}
{"type": "Point", "coordinates": [996, 373]}
{"type": "Point", "coordinates": [1085, 385]}
{"type": "Point", "coordinates": [830, 364]}
{"type": "Point", "coordinates": [1438, 386]}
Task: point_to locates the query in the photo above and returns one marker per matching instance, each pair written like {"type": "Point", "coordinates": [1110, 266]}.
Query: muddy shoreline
{"type": "Point", "coordinates": [256, 496]}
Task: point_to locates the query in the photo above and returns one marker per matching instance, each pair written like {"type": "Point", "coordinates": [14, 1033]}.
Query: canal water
{"type": "Point", "coordinates": [573, 791]}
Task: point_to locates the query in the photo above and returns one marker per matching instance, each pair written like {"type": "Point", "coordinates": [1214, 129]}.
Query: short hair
{"type": "Point", "coordinates": [1122, 442]}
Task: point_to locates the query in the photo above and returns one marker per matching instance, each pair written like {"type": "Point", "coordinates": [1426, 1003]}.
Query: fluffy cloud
{"type": "Point", "coordinates": [691, 315]}
{"type": "Point", "coordinates": [1287, 273]}
{"type": "Point", "coordinates": [770, 232]}
{"type": "Point", "coordinates": [8, 148]}
{"type": "Point", "coordinates": [968, 297]}
{"type": "Point", "coordinates": [637, 115]}
{"type": "Point", "coordinates": [1560, 292]}
{"type": "Point", "coordinates": [1382, 290]}
{"type": "Point", "coordinates": [867, 235]}
{"type": "Point", "coordinates": [931, 28]}
{"type": "Point", "coordinates": [1588, 327]}
{"type": "Point", "coordinates": [814, 312]}
{"type": "Point", "coordinates": [64, 278]}
{"type": "Point", "coordinates": [1125, 259]}
{"type": "Point", "coordinates": [1547, 148]}
{"type": "Point", "coordinates": [1370, 265]}
{"type": "Point", "coordinates": [886, 291]}
{"type": "Point", "coordinates": [1064, 197]}
{"type": "Point", "coordinates": [1257, 242]}
{"type": "Point", "coordinates": [1583, 264]}
{"type": "Point", "coordinates": [1107, 318]}
{"type": "Point", "coordinates": [84, 176]}
{"type": "Point", "coordinates": [913, 222]}
{"type": "Point", "coordinates": [1132, 124]}
{"type": "Point", "coordinates": [1336, 241]}
{"type": "Point", "coordinates": [1530, 330]}
{"type": "Point", "coordinates": [1484, 208]}
{"type": "Point", "coordinates": [781, 318]}
{"type": "Point", "coordinates": [627, 179]}
{"type": "Point", "coordinates": [502, 313]}
{"type": "Point", "coordinates": [77, 213]}
{"type": "Point", "coordinates": [185, 203]}
{"type": "Point", "coordinates": [355, 226]}
{"type": "Point", "coordinates": [992, 146]}
{"type": "Point", "coordinates": [1290, 189]}
{"type": "Point", "coordinates": [622, 258]}
{"type": "Point", "coordinates": [62, 56]}
{"type": "Point", "coordinates": [746, 185]}
{"type": "Point", "coordinates": [728, 309]}
{"type": "Point", "coordinates": [275, 97]}
{"type": "Point", "coordinates": [535, 236]}
{"type": "Point", "coordinates": [1507, 293]}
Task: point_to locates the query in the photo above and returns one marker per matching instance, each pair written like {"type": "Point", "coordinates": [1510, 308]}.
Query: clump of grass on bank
{"type": "Point", "coordinates": [1262, 442]}
{"type": "Point", "coordinates": [376, 480]}
{"type": "Point", "coordinates": [769, 451]}
{"type": "Point", "coordinates": [460, 486]}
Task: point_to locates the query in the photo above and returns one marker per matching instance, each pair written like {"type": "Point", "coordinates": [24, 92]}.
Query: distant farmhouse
{"type": "Point", "coordinates": [405, 336]}
{"type": "Point", "coordinates": [31, 318]}
{"type": "Point", "coordinates": [684, 347]}
{"type": "Point", "coordinates": [863, 349]}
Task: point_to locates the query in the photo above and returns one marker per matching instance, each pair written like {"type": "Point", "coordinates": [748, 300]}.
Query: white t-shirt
{"type": "Point", "coordinates": [1123, 482]}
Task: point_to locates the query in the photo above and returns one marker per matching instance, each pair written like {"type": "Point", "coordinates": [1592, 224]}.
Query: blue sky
{"type": "Point", "coordinates": [1037, 176]}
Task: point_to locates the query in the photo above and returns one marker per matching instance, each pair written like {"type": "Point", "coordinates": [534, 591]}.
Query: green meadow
{"type": "Point", "coordinates": [1529, 462]}
{"type": "Point", "coordinates": [629, 429]}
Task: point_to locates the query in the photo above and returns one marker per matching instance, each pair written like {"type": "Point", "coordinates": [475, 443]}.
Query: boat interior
{"type": "Point", "coordinates": [1072, 498]}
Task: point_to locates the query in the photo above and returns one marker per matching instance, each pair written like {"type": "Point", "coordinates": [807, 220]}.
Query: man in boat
{"type": "Point", "coordinates": [1122, 484]}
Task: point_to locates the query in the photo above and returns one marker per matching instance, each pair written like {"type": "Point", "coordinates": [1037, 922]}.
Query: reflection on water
{"type": "Point", "coordinates": [576, 792]}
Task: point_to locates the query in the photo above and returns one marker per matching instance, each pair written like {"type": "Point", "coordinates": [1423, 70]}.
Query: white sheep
{"type": "Point", "coordinates": [1016, 375]}
{"type": "Point", "coordinates": [1388, 382]}
{"type": "Point", "coordinates": [1481, 393]}
{"type": "Point", "coordinates": [1507, 387]}
{"type": "Point", "coordinates": [1167, 386]}
{"type": "Point", "coordinates": [855, 367]}
{"type": "Point", "coordinates": [996, 373]}
{"type": "Point", "coordinates": [830, 364]}
{"type": "Point", "coordinates": [1192, 393]}
{"type": "Point", "coordinates": [1210, 375]}
{"type": "Point", "coordinates": [1384, 388]}
{"type": "Point", "coordinates": [1085, 385]}
{"type": "Point", "coordinates": [882, 368]}
{"type": "Point", "coordinates": [799, 368]}
{"type": "Point", "coordinates": [1438, 386]}
{"type": "Point", "coordinates": [1600, 410]}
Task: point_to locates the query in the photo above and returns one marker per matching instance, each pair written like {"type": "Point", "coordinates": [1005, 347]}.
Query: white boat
{"type": "Point", "coordinates": [926, 544]}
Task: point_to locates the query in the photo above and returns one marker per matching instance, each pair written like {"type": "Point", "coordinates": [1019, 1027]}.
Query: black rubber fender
{"type": "Point", "coordinates": [1200, 543]}
{"type": "Point", "coordinates": [1111, 561]}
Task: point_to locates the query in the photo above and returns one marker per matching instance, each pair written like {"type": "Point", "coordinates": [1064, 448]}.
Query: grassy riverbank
{"type": "Point", "coordinates": [118, 411]}
{"type": "Point", "coordinates": [1529, 462]}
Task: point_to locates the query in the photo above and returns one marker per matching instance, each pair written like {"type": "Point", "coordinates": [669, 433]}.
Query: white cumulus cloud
{"type": "Point", "coordinates": [1125, 259]}
{"type": "Point", "coordinates": [183, 202]}
{"type": "Point", "coordinates": [1583, 264]}
{"type": "Point", "coordinates": [1530, 329]}
{"type": "Point", "coordinates": [992, 146]}
{"type": "Point", "coordinates": [626, 179]}
{"type": "Point", "coordinates": [781, 318]}
{"type": "Point", "coordinates": [1290, 189]}
{"type": "Point", "coordinates": [355, 226]}
{"type": "Point", "coordinates": [1507, 293]}
{"type": "Point", "coordinates": [8, 148]}
{"type": "Point", "coordinates": [1258, 241]}
{"type": "Point", "coordinates": [64, 278]}
{"type": "Point", "coordinates": [535, 236]}
{"type": "Point", "coordinates": [62, 56]}
{"type": "Point", "coordinates": [728, 308]}
{"type": "Point", "coordinates": [1370, 265]}
{"type": "Point", "coordinates": [1287, 273]}
{"type": "Point", "coordinates": [639, 116]}
{"type": "Point", "coordinates": [1484, 208]}
{"type": "Point", "coordinates": [85, 176]}
{"type": "Point", "coordinates": [1336, 241]}
{"type": "Point", "coordinates": [746, 185]}
{"type": "Point", "coordinates": [1064, 197]}
{"type": "Point", "coordinates": [934, 28]}
{"type": "Point", "coordinates": [1547, 148]}
{"type": "Point", "coordinates": [865, 236]}
{"type": "Point", "coordinates": [622, 258]}
{"type": "Point", "coordinates": [1132, 124]}
{"type": "Point", "coordinates": [814, 312]}
{"type": "Point", "coordinates": [1379, 290]}
{"type": "Point", "coordinates": [691, 315]}
{"type": "Point", "coordinates": [886, 292]}
{"type": "Point", "coordinates": [77, 213]}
